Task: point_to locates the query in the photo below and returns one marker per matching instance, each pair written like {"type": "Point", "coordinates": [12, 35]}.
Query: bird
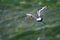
{"type": "Point", "coordinates": [37, 15]}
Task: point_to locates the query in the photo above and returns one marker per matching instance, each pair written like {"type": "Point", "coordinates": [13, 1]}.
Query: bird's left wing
{"type": "Point", "coordinates": [42, 10]}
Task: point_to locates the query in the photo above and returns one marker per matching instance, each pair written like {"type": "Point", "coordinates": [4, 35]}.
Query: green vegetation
{"type": "Point", "coordinates": [15, 26]}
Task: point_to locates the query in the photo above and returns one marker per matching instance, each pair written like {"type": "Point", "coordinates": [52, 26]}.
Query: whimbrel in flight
{"type": "Point", "coordinates": [37, 15]}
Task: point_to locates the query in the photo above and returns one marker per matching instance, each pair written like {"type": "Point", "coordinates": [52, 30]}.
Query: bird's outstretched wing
{"type": "Point", "coordinates": [31, 15]}
{"type": "Point", "coordinates": [42, 10]}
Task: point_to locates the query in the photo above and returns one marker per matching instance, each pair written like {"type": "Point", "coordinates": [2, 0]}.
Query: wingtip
{"type": "Point", "coordinates": [44, 7]}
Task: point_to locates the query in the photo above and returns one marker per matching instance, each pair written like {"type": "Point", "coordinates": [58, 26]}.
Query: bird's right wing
{"type": "Point", "coordinates": [31, 16]}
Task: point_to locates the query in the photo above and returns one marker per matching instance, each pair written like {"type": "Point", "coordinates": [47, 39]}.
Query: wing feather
{"type": "Point", "coordinates": [42, 10]}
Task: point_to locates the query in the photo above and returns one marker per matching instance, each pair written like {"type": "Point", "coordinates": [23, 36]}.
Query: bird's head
{"type": "Point", "coordinates": [29, 16]}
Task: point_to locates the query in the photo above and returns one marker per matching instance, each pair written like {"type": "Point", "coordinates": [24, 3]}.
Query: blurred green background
{"type": "Point", "coordinates": [15, 26]}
